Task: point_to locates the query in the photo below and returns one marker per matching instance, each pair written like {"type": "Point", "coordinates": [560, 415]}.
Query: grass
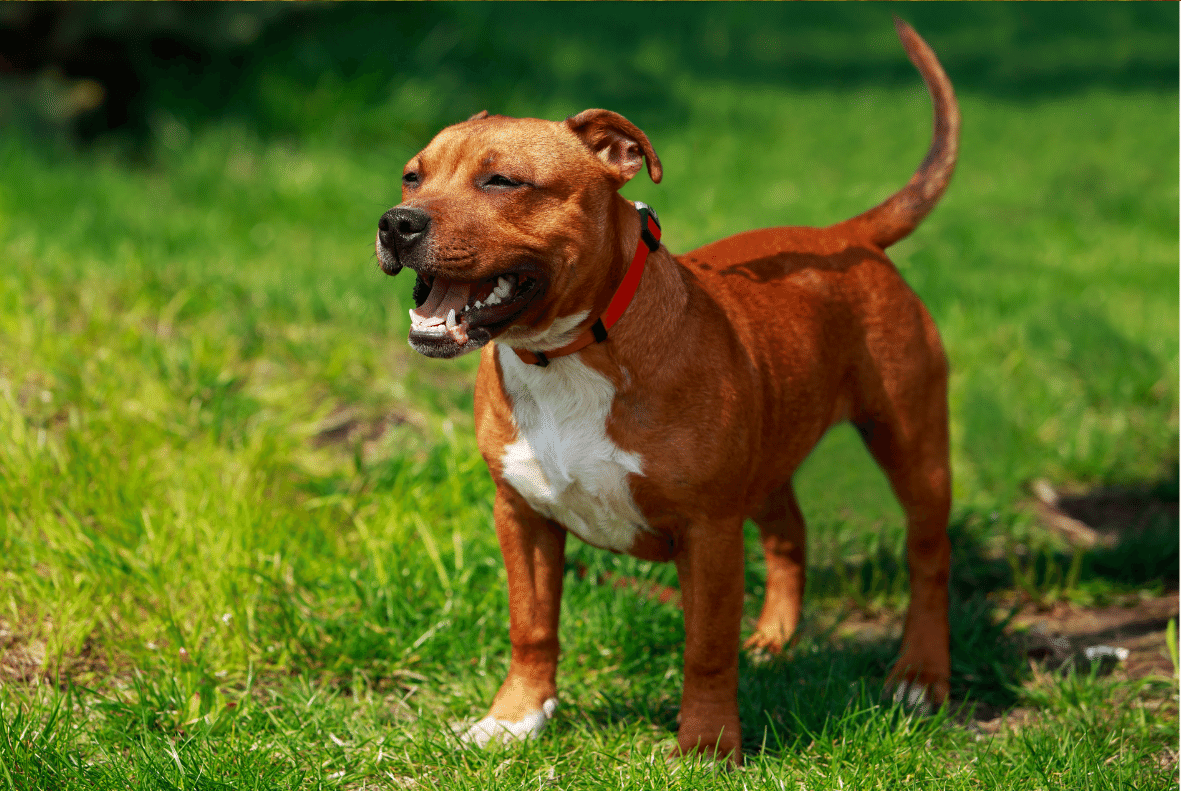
{"type": "Point", "coordinates": [244, 533]}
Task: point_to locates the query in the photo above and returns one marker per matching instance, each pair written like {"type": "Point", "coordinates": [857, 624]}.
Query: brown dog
{"type": "Point", "coordinates": [650, 403]}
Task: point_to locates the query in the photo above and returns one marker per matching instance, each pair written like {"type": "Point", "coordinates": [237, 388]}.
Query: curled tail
{"type": "Point", "coordinates": [898, 215]}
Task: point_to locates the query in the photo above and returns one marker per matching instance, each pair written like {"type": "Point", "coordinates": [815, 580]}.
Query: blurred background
{"type": "Point", "coordinates": [376, 75]}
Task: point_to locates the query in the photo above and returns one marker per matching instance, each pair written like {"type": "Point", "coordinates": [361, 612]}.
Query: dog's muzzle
{"type": "Point", "coordinates": [399, 231]}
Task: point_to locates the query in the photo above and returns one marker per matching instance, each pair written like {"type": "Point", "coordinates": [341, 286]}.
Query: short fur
{"type": "Point", "coordinates": [728, 366]}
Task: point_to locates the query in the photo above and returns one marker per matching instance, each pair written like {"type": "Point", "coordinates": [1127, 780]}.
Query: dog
{"type": "Point", "coordinates": [651, 403]}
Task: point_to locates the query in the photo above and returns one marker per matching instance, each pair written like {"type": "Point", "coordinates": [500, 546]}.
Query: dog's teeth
{"type": "Point", "coordinates": [503, 288]}
{"type": "Point", "coordinates": [451, 322]}
{"type": "Point", "coordinates": [478, 304]}
{"type": "Point", "coordinates": [493, 299]}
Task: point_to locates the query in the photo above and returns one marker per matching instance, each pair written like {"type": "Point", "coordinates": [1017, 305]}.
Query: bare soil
{"type": "Point", "coordinates": [1066, 630]}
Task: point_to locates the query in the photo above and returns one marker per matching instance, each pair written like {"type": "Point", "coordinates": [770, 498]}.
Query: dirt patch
{"type": "Point", "coordinates": [26, 659]}
{"type": "Point", "coordinates": [1065, 631]}
{"type": "Point", "coordinates": [351, 426]}
{"type": "Point", "coordinates": [20, 659]}
{"type": "Point", "coordinates": [1109, 519]}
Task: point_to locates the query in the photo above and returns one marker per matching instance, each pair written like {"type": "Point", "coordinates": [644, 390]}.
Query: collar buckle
{"type": "Point", "coordinates": [647, 212]}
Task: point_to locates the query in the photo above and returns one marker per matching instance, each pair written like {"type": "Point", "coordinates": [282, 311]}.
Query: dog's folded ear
{"type": "Point", "coordinates": [617, 142]}
{"type": "Point", "coordinates": [479, 115]}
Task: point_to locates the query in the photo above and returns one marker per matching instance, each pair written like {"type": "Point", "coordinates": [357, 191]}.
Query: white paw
{"type": "Point", "coordinates": [490, 730]}
{"type": "Point", "coordinates": [914, 696]}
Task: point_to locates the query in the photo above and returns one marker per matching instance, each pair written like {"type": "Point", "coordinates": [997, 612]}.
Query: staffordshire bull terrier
{"type": "Point", "coordinates": [650, 403]}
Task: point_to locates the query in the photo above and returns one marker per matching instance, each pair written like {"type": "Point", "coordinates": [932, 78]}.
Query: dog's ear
{"type": "Point", "coordinates": [479, 115]}
{"type": "Point", "coordinates": [617, 141]}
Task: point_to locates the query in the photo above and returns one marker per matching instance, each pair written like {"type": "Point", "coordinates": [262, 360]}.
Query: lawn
{"type": "Point", "coordinates": [245, 535]}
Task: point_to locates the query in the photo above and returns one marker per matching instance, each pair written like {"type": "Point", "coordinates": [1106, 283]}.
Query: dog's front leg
{"type": "Point", "coordinates": [709, 568]}
{"type": "Point", "coordinates": [534, 550]}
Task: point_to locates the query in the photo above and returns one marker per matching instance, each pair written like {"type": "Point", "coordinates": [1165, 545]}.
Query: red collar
{"type": "Point", "coordinates": [597, 333]}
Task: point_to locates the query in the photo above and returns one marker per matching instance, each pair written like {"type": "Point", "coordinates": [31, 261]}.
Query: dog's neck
{"type": "Point", "coordinates": [661, 285]}
{"type": "Point", "coordinates": [652, 320]}
{"type": "Point", "coordinates": [626, 282]}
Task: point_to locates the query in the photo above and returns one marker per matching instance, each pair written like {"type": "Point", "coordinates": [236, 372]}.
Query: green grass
{"type": "Point", "coordinates": [245, 535]}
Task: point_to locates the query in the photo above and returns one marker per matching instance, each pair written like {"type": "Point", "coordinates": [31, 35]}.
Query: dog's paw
{"type": "Point", "coordinates": [493, 731]}
{"type": "Point", "coordinates": [917, 695]}
{"type": "Point", "coordinates": [765, 643]}
{"type": "Point", "coordinates": [913, 696]}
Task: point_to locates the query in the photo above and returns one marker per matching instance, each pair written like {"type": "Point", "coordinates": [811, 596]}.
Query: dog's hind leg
{"type": "Point", "coordinates": [781, 528]}
{"type": "Point", "coordinates": [909, 440]}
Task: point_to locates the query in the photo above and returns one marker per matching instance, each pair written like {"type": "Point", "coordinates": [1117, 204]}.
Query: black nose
{"type": "Point", "coordinates": [400, 228]}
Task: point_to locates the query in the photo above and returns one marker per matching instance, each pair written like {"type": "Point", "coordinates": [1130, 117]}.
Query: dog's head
{"type": "Point", "coordinates": [509, 225]}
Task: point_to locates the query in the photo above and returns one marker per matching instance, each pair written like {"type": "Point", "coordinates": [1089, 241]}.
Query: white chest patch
{"type": "Point", "coordinates": [563, 463]}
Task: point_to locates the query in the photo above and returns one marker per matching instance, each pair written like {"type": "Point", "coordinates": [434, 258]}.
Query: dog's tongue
{"type": "Point", "coordinates": [446, 296]}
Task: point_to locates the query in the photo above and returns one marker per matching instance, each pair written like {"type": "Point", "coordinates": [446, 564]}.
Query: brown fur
{"type": "Point", "coordinates": [730, 364]}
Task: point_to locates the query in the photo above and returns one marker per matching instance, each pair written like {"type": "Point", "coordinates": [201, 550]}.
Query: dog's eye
{"type": "Point", "coordinates": [497, 180]}
{"type": "Point", "coordinates": [409, 179]}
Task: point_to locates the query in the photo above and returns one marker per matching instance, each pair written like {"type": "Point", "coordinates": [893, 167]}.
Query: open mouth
{"type": "Point", "coordinates": [452, 308]}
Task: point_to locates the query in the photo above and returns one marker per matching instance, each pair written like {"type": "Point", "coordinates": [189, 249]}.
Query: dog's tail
{"type": "Point", "coordinates": [898, 215]}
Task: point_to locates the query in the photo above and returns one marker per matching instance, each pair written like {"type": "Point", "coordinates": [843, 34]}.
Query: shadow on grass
{"type": "Point", "coordinates": [822, 678]}
{"type": "Point", "coordinates": [1141, 522]}
{"type": "Point", "coordinates": [1138, 525]}
{"type": "Point", "coordinates": [814, 691]}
